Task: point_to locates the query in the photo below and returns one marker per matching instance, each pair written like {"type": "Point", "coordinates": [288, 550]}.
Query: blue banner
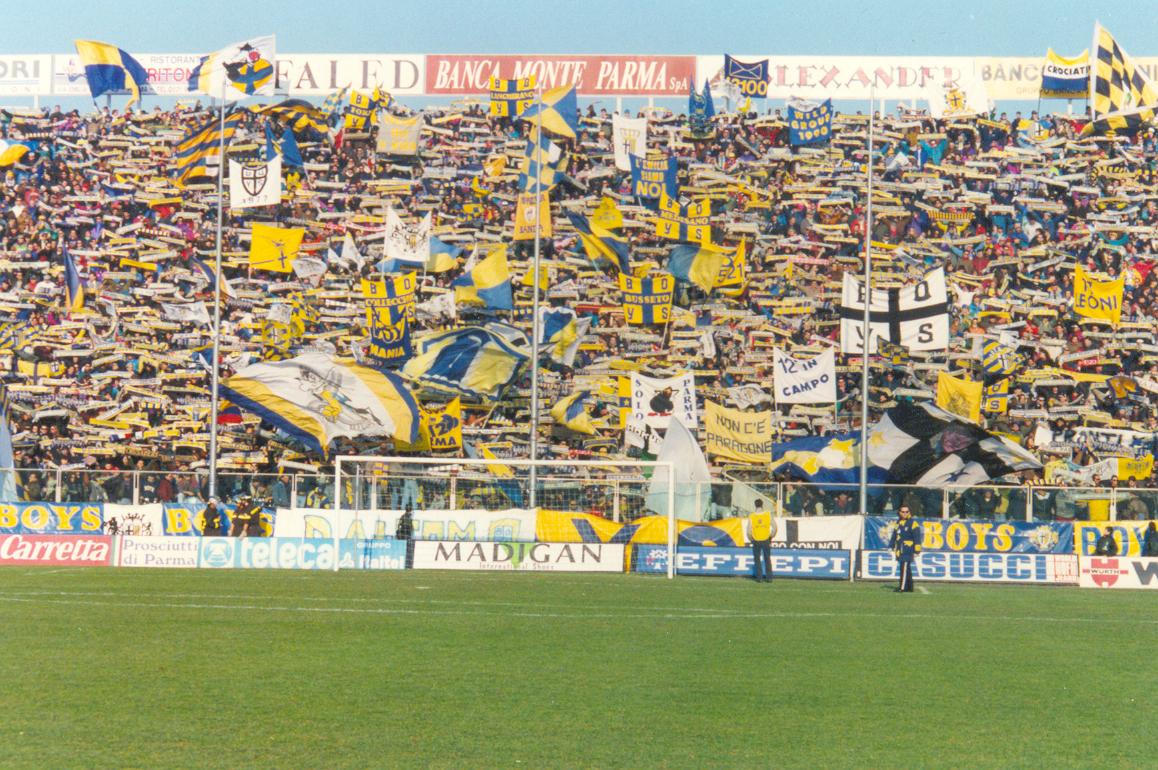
{"type": "Point", "coordinates": [654, 176]}
{"type": "Point", "coordinates": [51, 518]}
{"type": "Point", "coordinates": [737, 562]}
{"type": "Point", "coordinates": [972, 536]}
{"type": "Point", "coordinates": [750, 78]}
{"type": "Point", "coordinates": [975, 567]}
{"type": "Point", "coordinates": [188, 519]}
{"type": "Point", "coordinates": [299, 553]}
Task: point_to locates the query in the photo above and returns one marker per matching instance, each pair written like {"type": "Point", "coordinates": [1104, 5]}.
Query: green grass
{"type": "Point", "coordinates": [151, 668]}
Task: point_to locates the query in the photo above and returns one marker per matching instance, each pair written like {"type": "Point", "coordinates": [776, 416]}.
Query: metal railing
{"type": "Point", "coordinates": [618, 499]}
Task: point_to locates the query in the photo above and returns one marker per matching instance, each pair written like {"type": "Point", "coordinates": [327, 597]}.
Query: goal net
{"type": "Point", "coordinates": [506, 500]}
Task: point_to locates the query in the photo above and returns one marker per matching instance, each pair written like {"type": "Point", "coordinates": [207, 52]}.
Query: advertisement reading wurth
{"type": "Point", "coordinates": [634, 75]}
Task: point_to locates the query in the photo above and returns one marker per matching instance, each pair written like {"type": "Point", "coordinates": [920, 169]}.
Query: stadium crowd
{"type": "Point", "coordinates": [1007, 205]}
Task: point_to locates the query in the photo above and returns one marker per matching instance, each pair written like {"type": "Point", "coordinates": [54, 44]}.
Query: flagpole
{"type": "Point", "coordinates": [535, 292]}
{"type": "Point", "coordinates": [216, 377]}
{"type": "Point", "coordinates": [866, 326]}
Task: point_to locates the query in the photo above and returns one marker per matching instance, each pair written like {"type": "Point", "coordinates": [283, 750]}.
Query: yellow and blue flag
{"type": "Point", "coordinates": [200, 148]}
{"type": "Point", "coordinates": [510, 98]}
{"type": "Point", "coordinates": [362, 112]}
{"type": "Point", "coordinates": [750, 78]}
{"type": "Point", "coordinates": [809, 122]}
{"type": "Point", "coordinates": [478, 362]}
{"type": "Point", "coordinates": [316, 399]}
{"type": "Point", "coordinates": [1065, 78]}
{"type": "Point", "coordinates": [571, 413]}
{"type": "Point", "coordinates": [443, 256]}
{"type": "Point", "coordinates": [543, 162]}
{"type": "Point", "coordinates": [997, 397]}
{"type": "Point", "coordinates": [647, 301]}
{"type": "Point", "coordinates": [557, 111]}
{"type": "Point", "coordinates": [275, 248]}
{"type": "Point", "coordinates": [998, 359]}
{"type": "Point", "coordinates": [296, 114]}
{"type": "Point", "coordinates": [560, 332]}
{"type": "Point", "coordinates": [73, 288]}
{"type": "Point", "coordinates": [389, 301]}
{"type": "Point", "coordinates": [700, 265]}
{"type": "Point", "coordinates": [690, 223]}
{"type": "Point", "coordinates": [390, 344]}
{"type": "Point", "coordinates": [332, 106]}
{"type": "Point", "coordinates": [108, 69]}
{"type": "Point", "coordinates": [701, 108]}
{"type": "Point", "coordinates": [733, 278]}
{"type": "Point", "coordinates": [600, 242]}
{"type": "Point", "coordinates": [247, 68]}
{"type": "Point", "coordinates": [488, 283]}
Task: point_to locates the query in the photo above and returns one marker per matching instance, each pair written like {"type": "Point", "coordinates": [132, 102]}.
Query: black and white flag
{"type": "Point", "coordinates": [252, 185]}
{"type": "Point", "coordinates": [915, 316]}
{"type": "Point", "coordinates": [925, 445]}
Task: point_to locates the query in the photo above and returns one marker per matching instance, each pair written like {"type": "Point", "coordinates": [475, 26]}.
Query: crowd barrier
{"type": "Point", "coordinates": [829, 548]}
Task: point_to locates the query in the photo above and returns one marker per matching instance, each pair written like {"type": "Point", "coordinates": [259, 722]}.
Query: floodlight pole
{"type": "Point", "coordinates": [216, 364]}
{"type": "Point", "coordinates": [866, 324]}
{"type": "Point", "coordinates": [535, 293]}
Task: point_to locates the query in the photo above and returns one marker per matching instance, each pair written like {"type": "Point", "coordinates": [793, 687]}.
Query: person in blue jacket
{"type": "Point", "coordinates": [906, 544]}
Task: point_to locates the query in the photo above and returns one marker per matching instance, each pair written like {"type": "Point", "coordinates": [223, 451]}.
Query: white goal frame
{"type": "Point", "coordinates": [667, 467]}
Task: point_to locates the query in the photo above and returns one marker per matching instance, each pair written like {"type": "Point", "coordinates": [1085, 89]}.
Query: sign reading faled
{"type": "Point", "coordinates": [914, 316]}
{"type": "Point", "coordinates": [805, 381]}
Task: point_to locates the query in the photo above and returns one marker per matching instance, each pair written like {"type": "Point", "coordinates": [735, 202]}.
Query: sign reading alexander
{"type": "Point", "coordinates": [636, 75]}
{"type": "Point", "coordinates": [527, 557]}
{"type": "Point", "coordinates": [1118, 572]}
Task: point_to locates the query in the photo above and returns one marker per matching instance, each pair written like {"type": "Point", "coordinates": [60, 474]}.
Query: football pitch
{"type": "Point", "coordinates": [154, 668]}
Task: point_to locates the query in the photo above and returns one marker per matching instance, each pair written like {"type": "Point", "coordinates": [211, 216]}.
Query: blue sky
{"type": "Point", "coordinates": [865, 27]}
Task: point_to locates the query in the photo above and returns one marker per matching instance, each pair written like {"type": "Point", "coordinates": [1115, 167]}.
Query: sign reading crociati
{"type": "Point", "coordinates": [619, 75]}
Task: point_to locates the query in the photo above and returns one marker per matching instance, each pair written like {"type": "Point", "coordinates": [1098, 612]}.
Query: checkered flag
{"type": "Point", "coordinates": [1123, 98]}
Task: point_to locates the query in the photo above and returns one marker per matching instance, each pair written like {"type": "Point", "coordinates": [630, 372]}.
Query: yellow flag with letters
{"type": "Point", "coordinates": [527, 214]}
{"type": "Point", "coordinates": [1097, 299]}
{"type": "Point", "coordinates": [961, 397]}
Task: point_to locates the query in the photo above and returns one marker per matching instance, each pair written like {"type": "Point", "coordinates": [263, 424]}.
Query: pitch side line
{"type": "Point", "coordinates": [631, 614]}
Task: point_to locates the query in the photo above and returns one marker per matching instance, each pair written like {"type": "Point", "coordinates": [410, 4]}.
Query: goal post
{"type": "Point", "coordinates": [619, 490]}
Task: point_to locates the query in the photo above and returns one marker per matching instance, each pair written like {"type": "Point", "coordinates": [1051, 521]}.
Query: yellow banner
{"type": "Point", "coordinates": [526, 216]}
{"type": "Point", "coordinates": [742, 436]}
{"type": "Point", "coordinates": [563, 527]}
{"type": "Point", "coordinates": [1097, 299]}
{"type": "Point", "coordinates": [961, 397]}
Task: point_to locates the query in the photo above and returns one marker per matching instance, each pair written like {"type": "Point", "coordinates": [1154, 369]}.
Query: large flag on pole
{"type": "Point", "coordinates": [1122, 98]}
{"type": "Point", "coordinates": [108, 69]}
{"type": "Point", "coordinates": [915, 316]}
{"type": "Point", "coordinates": [317, 398]}
{"type": "Point", "coordinates": [247, 68]}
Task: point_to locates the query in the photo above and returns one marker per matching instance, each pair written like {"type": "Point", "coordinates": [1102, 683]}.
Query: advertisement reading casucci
{"type": "Point", "coordinates": [972, 567]}
{"type": "Point", "coordinates": [1118, 572]}
{"type": "Point", "coordinates": [966, 535]}
{"type": "Point", "coordinates": [636, 75]}
{"type": "Point", "coordinates": [56, 550]}
{"type": "Point", "coordinates": [525, 557]}
{"type": "Point", "coordinates": [737, 562]}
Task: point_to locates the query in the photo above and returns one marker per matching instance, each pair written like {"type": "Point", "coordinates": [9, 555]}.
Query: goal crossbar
{"type": "Point", "coordinates": [667, 468]}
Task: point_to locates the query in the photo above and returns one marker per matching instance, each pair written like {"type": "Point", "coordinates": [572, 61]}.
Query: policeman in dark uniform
{"type": "Point", "coordinates": [906, 544]}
